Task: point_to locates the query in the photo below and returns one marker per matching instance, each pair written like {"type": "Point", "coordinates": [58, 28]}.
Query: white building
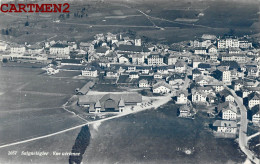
{"type": "Point", "coordinates": [226, 77]}
{"type": "Point", "coordinates": [182, 97]}
{"type": "Point", "coordinates": [228, 42]}
{"type": "Point", "coordinates": [224, 126]}
{"type": "Point", "coordinates": [144, 84]}
{"type": "Point", "coordinates": [60, 50]}
{"type": "Point", "coordinates": [91, 72]}
{"type": "Point", "coordinates": [162, 87]}
{"type": "Point", "coordinates": [229, 111]}
{"type": "Point", "coordinates": [198, 97]}
{"type": "Point", "coordinates": [17, 49]}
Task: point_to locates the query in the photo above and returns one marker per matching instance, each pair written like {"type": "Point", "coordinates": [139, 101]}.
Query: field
{"type": "Point", "coordinates": [31, 103]}
{"type": "Point", "coordinates": [89, 18]}
{"type": "Point", "coordinates": [153, 136]}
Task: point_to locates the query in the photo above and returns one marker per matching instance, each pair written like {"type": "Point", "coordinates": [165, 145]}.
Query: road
{"type": "Point", "coordinates": [243, 128]}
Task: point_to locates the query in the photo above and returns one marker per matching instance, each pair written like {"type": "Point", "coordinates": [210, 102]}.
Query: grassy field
{"type": "Point", "coordinates": [218, 18]}
{"type": "Point", "coordinates": [31, 103]}
{"type": "Point", "coordinates": [153, 136]}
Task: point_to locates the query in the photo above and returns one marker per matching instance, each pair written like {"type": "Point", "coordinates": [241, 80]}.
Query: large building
{"type": "Point", "coordinates": [155, 59]}
{"type": "Point", "coordinates": [226, 77]}
{"type": "Point", "coordinates": [17, 49]}
{"type": "Point", "coordinates": [111, 102]}
{"type": "Point", "coordinates": [62, 51]}
{"type": "Point", "coordinates": [228, 42]}
{"type": "Point", "coordinates": [224, 126]}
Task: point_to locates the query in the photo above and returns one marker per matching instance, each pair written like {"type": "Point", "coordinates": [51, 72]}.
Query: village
{"type": "Point", "coordinates": [215, 75]}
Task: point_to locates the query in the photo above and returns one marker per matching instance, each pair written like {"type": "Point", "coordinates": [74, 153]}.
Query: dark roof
{"type": "Point", "coordinates": [73, 61]}
{"type": "Point", "coordinates": [132, 48]}
{"type": "Point", "coordinates": [155, 55]}
{"type": "Point", "coordinates": [59, 45]}
{"type": "Point", "coordinates": [231, 64]}
{"type": "Point", "coordinates": [204, 65]}
{"type": "Point", "coordinates": [196, 71]}
{"type": "Point", "coordinates": [86, 87]}
{"type": "Point", "coordinates": [101, 50]}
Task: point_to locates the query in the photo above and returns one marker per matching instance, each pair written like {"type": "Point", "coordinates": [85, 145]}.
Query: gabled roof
{"type": "Point", "coordinates": [225, 123]}
{"type": "Point", "coordinates": [227, 106]}
{"type": "Point", "coordinates": [204, 65]}
{"type": "Point", "coordinates": [162, 83]}
{"type": "Point", "coordinates": [196, 71]}
{"type": "Point", "coordinates": [132, 48]}
{"type": "Point", "coordinates": [254, 96]}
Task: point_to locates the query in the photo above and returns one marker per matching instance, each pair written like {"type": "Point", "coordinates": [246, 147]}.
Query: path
{"type": "Point", "coordinates": [252, 136]}
{"type": "Point", "coordinates": [136, 110]}
{"type": "Point", "coordinates": [243, 128]}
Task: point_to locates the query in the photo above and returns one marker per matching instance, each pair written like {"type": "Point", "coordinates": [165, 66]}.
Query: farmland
{"type": "Point", "coordinates": [95, 17]}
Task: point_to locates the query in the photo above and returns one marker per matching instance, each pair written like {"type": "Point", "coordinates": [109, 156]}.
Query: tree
{"type": "Point", "coordinates": [5, 60]}
{"type": "Point", "coordinates": [26, 23]}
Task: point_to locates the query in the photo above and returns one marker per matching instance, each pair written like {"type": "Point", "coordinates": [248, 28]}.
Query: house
{"type": "Point", "coordinates": [131, 68]}
{"type": "Point", "coordinates": [162, 88]}
{"type": "Point", "coordinates": [3, 46]}
{"type": "Point", "coordinates": [133, 75]}
{"type": "Point", "coordinates": [248, 90]}
{"type": "Point", "coordinates": [60, 50]}
{"type": "Point", "coordinates": [138, 59]}
{"type": "Point", "coordinates": [225, 126]}
{"type": "Point", "coordinates": [226, 77]}
{"type": "Point", "coordinates": [132, 49]}
{"type": "Point", "coordinates": [102, 51]}
{"type": "Point", "coordinates": [226, 96]}
{"type": "Point", "coordinates": [90, 72]}
{"type": "Point", "coordinates": [245, 44]}
{"type": "Point", "coordinates": [111, 102]}
{"type": "Point", "coordinates": [204, 66]}
{"type": "Point", "coordinates": [184, 111]}
{"type": "Point", "coordinates": [200, 50]}
{"type": "Point", "coordinates": [123, 59]}
{"type": "Point", "coordinates": [198, 96]}
{"type": "Point", "coordinates": [111, 74]}
{"type": "Point", "coordinates": [239, 58]}
{"type": "Point", "coordinates": [228, 110]}
{"type": "Point", "coordinates": [35, 49]}
{"type": "Point", "coordinates": [155, 59]}
{"type": "Point", "coordinates": [228, 42]}
{"type": "Point", "coordinates": [144, 83]}
{"type": "Point", "coordinates": [237, 84]}
{"type": "Point", "coordinates": [201, 80]}
{"type": "Point", "coordinates": [145, 69]}
{"type": "Point", "coordinates": [17, 49]}
{"type": "Point", "coordinates": [212, 49]}
{"type": "Point", "coordinates": [162, 69]}
{"type": "Point", "coordinates": [253, 99]}
{"type": "Point", "coordinates": [206, 89]}
{"type": "Point", "coordinates": [172, 59]}
{"type": "Point", "coordinates": [234, 50]}
{"type": "Point", "coordinates": [256, 116]}
{"type": "Point", "coordinates": [157, 75]}
{"type": "Point", "coordinates": [180, 67]}
{"type": "Point", "coordinates": [182, 97]}
{"type": "Point", "coordinates": [195, 73]}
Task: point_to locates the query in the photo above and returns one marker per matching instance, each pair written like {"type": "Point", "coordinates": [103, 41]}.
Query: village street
{"type": "Point", "coordinates": [243, 128]}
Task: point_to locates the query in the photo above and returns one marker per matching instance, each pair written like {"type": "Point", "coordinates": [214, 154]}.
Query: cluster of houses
{"type": "Point", "coordinates": [211, 63]}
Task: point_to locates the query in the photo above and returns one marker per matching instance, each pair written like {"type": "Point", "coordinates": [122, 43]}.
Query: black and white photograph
{"type": "Point", "coordinates": [129, 81]}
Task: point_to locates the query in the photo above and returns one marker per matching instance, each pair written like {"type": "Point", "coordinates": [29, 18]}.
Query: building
{"type": "Point", "coordinates": [90, 72]}
{"type": "Point", "coordinates": [253, 99]}
{"type": "Point", "coordinates": [225, 126]}
{"type": "Point", "coordinates": [239, 58]}
{"type": "Point", "coordinates": [123, 59]}
{"type": "Point", "coordinates": [172, 59]}
{"type": "Point", "coordinates": [198, 96]}
{"type": "Point", "coordinates": [138, 59]}
{"type": "Point", "coordinates": [226, 96]}
{"type": "Point", "coordinates": [245, 44]}
{"type": "Point", "coordinates": [195, 73]}
{"type": "Point", "coordinates": [180, 67]}
{"type": "Point", "coordinates": [184, 111]}
{"type": "Point", "coordinates": [234, 50]}
{"type": "Point", "coordinates": [133, 75]}
{"type": "Point", "coordinates": [84, 90]}
{"type": "Point", "coordinates": [201, 80]}
{"type": "Point", "coordinates": [182, 97]}
{"type": "Point", "coordinates": [111, 102]}
{"type": "Point", "coordinates": [71, 62]}
{"type": "Point", "coordinates": [155, 59]}
{"type": "Point", "coordinates": [226, 77]}
{"type": "Point", "coordinates": [200, 50]}
{"type": "Point", "coordinates": [256, 117]}
{"type": "Point", "coordinates": [144, 83]}
{"type": "Point", "coordinates": [138, 41]}
{"type": "Point", "coordinates": [3, 46]}
{"type": "Point", "coordinates": [212, 49]}
{"type": "Point", "coordinates": [228, 110]}
{"type": "Point", "coordinates": [228, 42]}
{"type": "Point", "coordinates": [60, 51]}
{"type": "Point", "coordinates": [17, 49]}
{"type": "Point", "coordinates": [162, 88]}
